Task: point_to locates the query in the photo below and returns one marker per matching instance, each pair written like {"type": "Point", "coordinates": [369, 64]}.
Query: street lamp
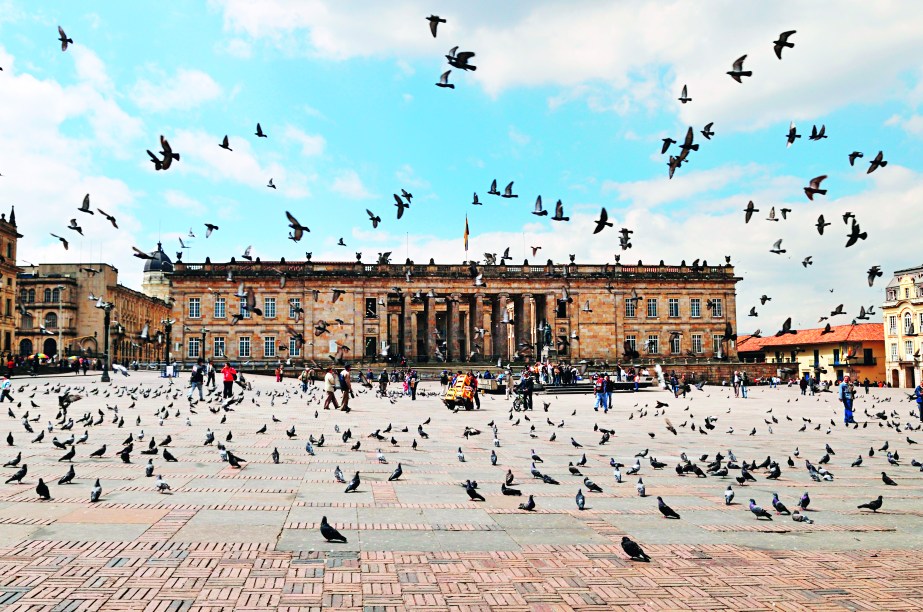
{"type": "Point", "coordinates": [119, 336]}
{"type": "Point", "coordinates": [168, 327]}
{"type": "Point", "coordinates": [60, 321]}
{"type": "Point", "coordinates": [107, 314]}
{"type": "Point", "coordinates": [204, 331]}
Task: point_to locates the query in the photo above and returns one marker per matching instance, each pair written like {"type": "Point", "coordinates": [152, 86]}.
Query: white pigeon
{"type": "Point", "coordinates": [728, 495]}
{"type": "Point", "coordinates": [381, 457]}
{"type": "Point", "coordinates": [161, 484]}
{"type": "Point", "coordinates": [460, 455]}
{"type": "Point", "coordinates": [618, 475]}
{"type": "Point", "coordinates": [640, 487]}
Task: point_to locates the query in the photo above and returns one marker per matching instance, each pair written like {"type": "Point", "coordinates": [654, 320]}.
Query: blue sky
{"type": "Point", "coordinates": [570, 101]}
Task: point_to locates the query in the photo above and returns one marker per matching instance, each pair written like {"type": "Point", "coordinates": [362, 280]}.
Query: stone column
{"type": "Point", "coordinates": [527, 333]}
{"type": "Point", "coordinates": [501, 331]}
{"type": "Point", "coordinates": [429, 316]}
{"type": "Point", "coordinates": [453, 327]}
{"type": "Point", "coordinates": [476, 320]}
{"type": "Point", "coordinates": [489, 327]}
{"type": "Point", "coordinates": [406, 327]}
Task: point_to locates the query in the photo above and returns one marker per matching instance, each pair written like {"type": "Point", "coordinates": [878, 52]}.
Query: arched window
{"type": "Point", "coordinates": [31, 296]}
{"type": "Point", "coordinates": [908, 323]}
{"type": "Point", "coordinates": [56, 295]}
{"type": "Point", "coordinates": [23, 296]}
{"type": "Point", "coordinates": [27, 321]}
{"type": "Point", "coordinates": [47, 295]}
{"type": "Point", "coordinates": [51, 320]}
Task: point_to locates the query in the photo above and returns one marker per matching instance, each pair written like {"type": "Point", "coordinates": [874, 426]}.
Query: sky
{"type": "Point", "coordinates": [569, 100]}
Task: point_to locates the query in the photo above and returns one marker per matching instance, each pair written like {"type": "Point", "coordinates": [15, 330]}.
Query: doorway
{"type": "Point", "coordinates": [910, 378]}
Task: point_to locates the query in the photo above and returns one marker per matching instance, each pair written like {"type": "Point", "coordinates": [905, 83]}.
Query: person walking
{"type": "Point", "coordinates": [303, 379]}
{"type": "Point", "coordinates": [210, 370]}
{"type": "Point", "coordinates": [6, 386]}
{"type": "Point", "coordinates": [736, 383]}
{"type": "Point", "coordinates": [918, 393]}
{"type": "Point", "coordinates": [196, 378]}
{"type": "Point", "coordinates": [330, 387]}
{"type": "Point", "coordinates": [846, 395]}
{"type": "Point", "coordinates": [866, 383]}
{"type": "Point", "coordinates": [602, 397]}
{"type": "Point", "coordinates": [383, 383]}
{"type": "Point", "coordinates": [508, 380]}
{"type": "Point", "coordinates": [228, 376]}
{"type": "Point", "coordinates": [744, 382]}
{"type": "Point", "coordinates": [346, 386]}
{"type": "Point", "coordinates": [473, 381]}
{"type": "Point", "coordinates": [414, 379]}
{"type": "Point", "coordinates": [444, 381]}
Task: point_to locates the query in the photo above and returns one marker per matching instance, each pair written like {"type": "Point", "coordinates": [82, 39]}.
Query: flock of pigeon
{"type": "Point", "coordinates": [166, 408]}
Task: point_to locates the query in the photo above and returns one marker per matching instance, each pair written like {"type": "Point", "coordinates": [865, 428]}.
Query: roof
{"type": "Point", "coordinates": [160, 262]}
{"type": "Point", "coordinates": [750, 344]}
{"type": "Point", "coordinates": [839, 334]}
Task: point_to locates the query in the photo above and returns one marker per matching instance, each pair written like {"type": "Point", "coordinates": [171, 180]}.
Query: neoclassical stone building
{"type": "Point", "coordinates": [430, 312]}
{"type": "Point", "coordinates": [59, 312]}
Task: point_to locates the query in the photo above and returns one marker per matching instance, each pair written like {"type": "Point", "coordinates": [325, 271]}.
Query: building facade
{"type": "Point", "coordinates": [857, 350]}
{"type": "Point", "coordinates": [903, 322]}
{"type": "Point", "coordinates": [430, 313]}
{"type": "Point", "coordinates": [9, 237]}
{"type": "Point", "coordinates": [60, 312]}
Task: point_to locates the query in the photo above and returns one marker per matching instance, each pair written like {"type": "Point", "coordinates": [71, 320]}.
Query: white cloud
{"type": "Point", "coordinates": [912, 124]}
{"type": "Point", "coordinates": [184, 90]}
{"type": "Point", "coordinates": [350, 185]}
{"type": "Point", "coordinates": [183, 202]}
{"type": "Point", "coordinates": [237, 47]}
{"type": "Point", "coordinates": [622, 56]}
{"type": "Point", "coordinates": [654, 192]}
{"type": "Point", "coordinates": [311, 144]}
{"type": "Point", "coordinates": [517, 137]}
{"type": "Point", "coordinates": [407, 177]}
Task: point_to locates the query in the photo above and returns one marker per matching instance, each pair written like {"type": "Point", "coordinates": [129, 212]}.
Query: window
{"type": "Point", "coordinates": [673, 304]}
{"type": "Point", "coordinates": [908, 323]}
{"type": "Point", "coordinates": [218, 351]}
{"type": "Point", "coordinates": [716, 343]}
{"type": "Point", "coordinates": [371, 308]}
{"type": "Point", "coordinates": [269, 308]}
{"type": "Point", "coordinates": [695, 308]}
{"type": "Point", "coordinates": [51, 320]}
{"type": "Point", "coordinates": [908, 349]}
{"type": "Point", "coordinates": [632, 341]}
{"type": "Point", "coordinates": [891, 295]}
{"type": "Point", "coordinates": [56, 295]}
{"type": "Point", "coordinates": [9, 308]}
{"type": "Point", "coordinates": [9, 250]}
{"type": "Point", "coordinates": [47, 295]}
{"type": "Point", "coordinates": [920, 324]}
{"type": "Point", "coordinates": [561, 309]}
{"type": "Point", "coordinates": [243, 347]}
{"type": "Point", "coordinates": [294, 350]}
{"type": "Point", "coordinates": [653, 343]}
{"type": "Point", "coordinates": [195, 308]}
{"type": "Point", "coordinates": [31, 296]}
{"type": "Point", "coordinates": [294, 305]}
{"type": "Point", "coordinates": [194, 347]}
{"type": "Point", "coordinates": [27, 321]}
{"type": "Point", "coordinates": [717, 308]}
{"type": "Point", "coordinates": [906, 293]}
{"type": "Point", "coordinates": [221, 308]}
{"type": "Point", "coordinates": [243, 308]}
{"type": "Point", "coordinates": [269, 346]}
{"type": "Point", "coordinates": [630, 308]}
{"type": "Point", "coordinates": [674, 345]}
{"type": "Point", "coordinates": [697, 343]}
{"type": "Point", "coordinates": [892, 325]}
{"type": "Point", "coordinates": [652, 307]}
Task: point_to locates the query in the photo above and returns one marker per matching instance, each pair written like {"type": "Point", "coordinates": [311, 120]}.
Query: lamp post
{"type": "Point", "coordinates": [60, 321]}
{"type": "Point", "coordinates": [167, 327]}
{"type": "Point", "coordinates": [107, 314]}
{"type": "Point", "coordinates": [204, 331]}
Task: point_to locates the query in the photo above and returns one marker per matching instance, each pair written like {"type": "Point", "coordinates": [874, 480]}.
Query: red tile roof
{"type": "Point", "coordinates": [839, 334]}
{"type": "Point", "coordinates": [750, 344]}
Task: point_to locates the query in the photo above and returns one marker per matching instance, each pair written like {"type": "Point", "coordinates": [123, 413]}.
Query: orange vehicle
{"type": "Point", "coordinates": [460, 394]}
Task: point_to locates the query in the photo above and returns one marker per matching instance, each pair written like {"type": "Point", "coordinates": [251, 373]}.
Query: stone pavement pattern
{"type": "Point", "coordinates": [248, 539]}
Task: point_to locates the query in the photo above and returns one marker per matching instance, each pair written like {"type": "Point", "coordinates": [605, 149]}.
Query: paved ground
{"type": "Point", "coordinates": [249, 538]}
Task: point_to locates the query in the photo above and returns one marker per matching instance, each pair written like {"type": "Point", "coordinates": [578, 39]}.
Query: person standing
{"type": "Point", "coordinates": [383, 383]}
{"type": "Point", "coordinates": [473, 381]}
{"type": "Point", "coordinates": [602, 397]}
{"type": "Point", "coordinates": [330, 387]}
{"type": "Point", "coordinates": [211, 374]}
{"type": "Point", "coordinates": [444, 381]}
{"type": "Point", "coordinates": [736, 383]}
{"type": "Point", "coordinates": [527, 386]}
{"type": "Point", "coordinates": [228, 376]}
{"type": "Point", "coordinates": [414, 379]}
{"type": "Point", "coordinates": [866, 383]}
{"type": "Point", "coordinates": [196, 378]}
{"type": "Point", "coordinates": [346, 387]}
{"type": "Point", "coordinates": [846, 395]}
{"type": "Point", "coordinates": [303, 379]}
{"type": "Point", "coordinates": [744, 381]}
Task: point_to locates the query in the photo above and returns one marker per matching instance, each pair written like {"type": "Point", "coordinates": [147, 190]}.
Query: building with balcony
{"type": "Point", "coordinates": [857, 350]}
{"type": "Point", "coordinates": [59, 301]}
{"type": "Point", "coordinates": [903, 323]}
{"type": "Point", "coordinates": [430, 313]}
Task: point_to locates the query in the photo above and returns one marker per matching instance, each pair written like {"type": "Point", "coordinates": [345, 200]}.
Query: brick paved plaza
{"type": "Point", "coordinates": [249, 539]}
